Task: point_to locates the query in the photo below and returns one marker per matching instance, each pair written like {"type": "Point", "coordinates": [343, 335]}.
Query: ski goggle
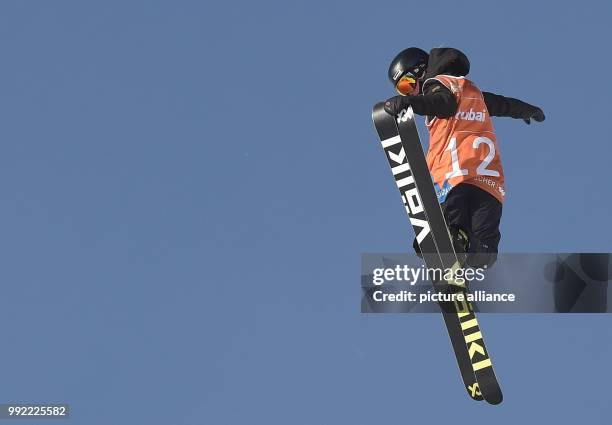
{"type": "Point", "coordinates": [407, 85]}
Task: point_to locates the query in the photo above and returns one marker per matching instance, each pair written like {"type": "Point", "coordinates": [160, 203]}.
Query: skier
{"type": "Point", "coordinates": [463, 155]}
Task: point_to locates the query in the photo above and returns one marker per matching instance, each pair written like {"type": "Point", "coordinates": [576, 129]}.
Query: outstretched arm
{"type": "Point", "coordinates": [501, 106]}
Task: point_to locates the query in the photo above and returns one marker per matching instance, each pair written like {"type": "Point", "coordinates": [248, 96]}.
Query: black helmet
{"type": "Point", "coordinates": [413, 60]}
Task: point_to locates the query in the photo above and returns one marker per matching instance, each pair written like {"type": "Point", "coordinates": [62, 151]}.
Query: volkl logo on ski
{"type": "Point", "coordinates": [472, 336]}
{"type": "Point", "coordinates": [405, 115]}
{"type": "Point", "coordinates": [474, 390]}
{"type": "Point", "coordinates": [405, 182]}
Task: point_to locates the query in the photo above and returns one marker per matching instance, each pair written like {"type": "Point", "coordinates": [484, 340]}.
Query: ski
{"type": "Point", "coordinates": [400, 141]}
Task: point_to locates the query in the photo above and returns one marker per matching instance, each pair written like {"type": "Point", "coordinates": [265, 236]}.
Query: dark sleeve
{"type": "Point", "coordinates": [501, 106]}
{"type": "Point", "coordinates": [437, 101]}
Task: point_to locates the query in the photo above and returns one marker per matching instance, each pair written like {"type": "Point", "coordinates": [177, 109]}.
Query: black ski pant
{"type": "Point", "coordinates": [478, 213]}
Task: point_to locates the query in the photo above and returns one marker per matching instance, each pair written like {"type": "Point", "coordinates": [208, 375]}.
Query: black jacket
{"type": "Point", "coordinates": [437, 100]}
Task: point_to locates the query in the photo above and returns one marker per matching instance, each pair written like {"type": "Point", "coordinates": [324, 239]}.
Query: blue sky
{"type": "Point", "coordinates": [186, 188]}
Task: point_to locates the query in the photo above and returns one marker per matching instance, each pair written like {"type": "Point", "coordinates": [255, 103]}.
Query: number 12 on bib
{"type": "Point", "coordinates": [400, 141]}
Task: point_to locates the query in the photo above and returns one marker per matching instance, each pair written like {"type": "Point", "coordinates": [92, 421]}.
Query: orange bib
{"type": "Point", "coordinates": [463, 148]}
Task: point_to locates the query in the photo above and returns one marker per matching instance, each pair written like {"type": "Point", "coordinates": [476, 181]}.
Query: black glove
{"type": "Point", "coordinates": [395, 105]}
{"type": "Point", "coordinates": [537, 114]}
